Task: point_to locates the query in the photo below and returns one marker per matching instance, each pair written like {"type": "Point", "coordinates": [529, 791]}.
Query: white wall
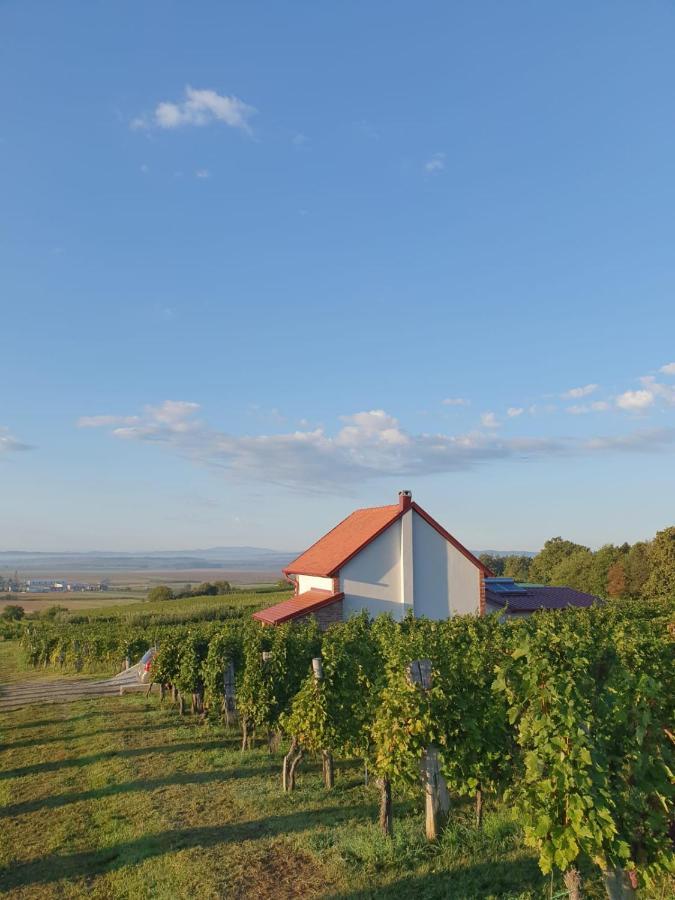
{"type": "Point", "coordinates": [372, 579]}
{"type": "Point", "coordinates": [307, 582]}
{"type": "Point", "coordinates": [446, 583]}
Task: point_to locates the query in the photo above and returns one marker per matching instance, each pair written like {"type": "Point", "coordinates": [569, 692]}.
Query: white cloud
{"type": "Point", "coordinates": [575, 393]}
{"type": "Point", "coordinates": [368, 445]}
{"type": "Point", "coordinates": [665, 392]}
{"type": "Point", "coordinates": [635, 400]}
{"type": "Point", "coordinates": [455, 401]}
{"type": "Point", "coordinates": [435, 164]}
{"type": "Point", "coordinates": [514, 411]}
{"type": "Point", "coordinates": [10, 444]}
{"type": "Point", "coordinates": [199, 107]}
{"type": "Point", "coordinates": [582, 408]}
{"type": "Point", "coordinates": [103, 421]}
{"type": "Point", "coordinates": [668, 369]}
{"type": "Point", "coordinates": [649, 440]}
{"type": "Point", "coordinates": [202, 173]}
{"type": "Point", "coordinates": [489, 420]}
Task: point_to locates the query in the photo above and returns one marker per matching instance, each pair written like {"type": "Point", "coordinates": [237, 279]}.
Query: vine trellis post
{"type": "Point", "coordinates": [437, 799]}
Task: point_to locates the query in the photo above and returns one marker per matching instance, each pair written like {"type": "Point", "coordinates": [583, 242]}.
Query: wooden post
{"type": "Point", "coordinates": [228, 692]}
{"type": "Point", "coordinates": [437, 799]}
{"type": "Point", "coordinates": [572, 880]}
{"type": "Point", "coordinates": [479, 808]}
{"type": "Point", "coordinates": [386, 818]}
{"type": "Point", "coordinates": [618, 884]}
{"type": "Point", "coordinates": [327, 756]}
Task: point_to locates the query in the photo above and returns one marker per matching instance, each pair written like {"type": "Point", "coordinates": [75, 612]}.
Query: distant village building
{"type": "Point", "coordinates": [395, 559]}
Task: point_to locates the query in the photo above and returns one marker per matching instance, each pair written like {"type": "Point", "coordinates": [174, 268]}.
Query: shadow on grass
{"type": "Point", "coordinates": [145, 784]}
{"type": "Point", "coordinates": [45, 723]}
{"type": "Point", "coordinates": [79, 762]}
{"type": "Point", "coordinates": [54, 867]}
{"type": "Point", "coordinates": [473, 881]}
{"type": "Point", "coordinates": [78, 736]}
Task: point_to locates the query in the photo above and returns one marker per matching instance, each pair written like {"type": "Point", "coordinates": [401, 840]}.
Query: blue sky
{"type": "Point", "coordinates": [263, 263]}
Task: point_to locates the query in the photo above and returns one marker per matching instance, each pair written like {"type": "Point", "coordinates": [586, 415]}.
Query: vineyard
{"type": "Point", "coordinates": [567, 715]}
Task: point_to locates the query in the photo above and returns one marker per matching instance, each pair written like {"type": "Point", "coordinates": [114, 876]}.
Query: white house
{"type": "Point", "coordinates": [392, 559]}
{"type": "Point", "coordinates": [385, 559]}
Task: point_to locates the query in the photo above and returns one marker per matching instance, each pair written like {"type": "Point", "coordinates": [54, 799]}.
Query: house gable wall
{"type": "Point", "coordinates": [371, 580]}
{"type": "Point", "coordinates": [307, 582]}
{"type": "Point", "coordinates": [446, 583]}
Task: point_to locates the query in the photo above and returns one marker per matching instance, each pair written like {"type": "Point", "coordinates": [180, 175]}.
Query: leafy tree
{"type": "Point", "coordinates": [638, 566]}
{"type": "Point", "coordinates": [575, 570]}
{"type": "Point", "coordinates": [13, 612]}
{"type": "Point", "coordinates": [493, 562]}
{"type": "Point", "coordinates": [554, 552]}
{"type": "Point", "coordinates": [661, 581]}
{"type": "Point", "coordinates": [602, 560]}
{"type": "Point", "coordinates": [518, 567]}
{"type": "Point", "coordinates": [223, 587]}
{"type": "Point", "coordinates": [205, 589]}
{"type": "Point", "coordinates": [616, 579]}
{"type": "Point", "coordinates": [160, 593]}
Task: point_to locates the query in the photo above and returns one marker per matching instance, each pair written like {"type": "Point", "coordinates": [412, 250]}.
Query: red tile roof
{"type": "Point", "coordinates": [327, 556]}
{"type": "Point", "coordinates": [541, 597]}
{"type": "Point", "coordinates": [331, 551]}
{"type": "Point", "coordinates": [300, 605]}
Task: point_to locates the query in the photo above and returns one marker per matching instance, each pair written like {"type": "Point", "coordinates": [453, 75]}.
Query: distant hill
{"type": "Point", "coordinates": [506, 552]}
{"type": "Point", "coordinates": [239, 558]}
{"type": "Point", "coordinates": [242, 558]}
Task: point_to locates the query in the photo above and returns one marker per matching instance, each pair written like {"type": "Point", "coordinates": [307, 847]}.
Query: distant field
{"type": "Point", "coordinates": [190, 607]}
{"type": "Point", "coordinates": [36, 602]}
{"type": "Point", "coordinates": [131, 586]}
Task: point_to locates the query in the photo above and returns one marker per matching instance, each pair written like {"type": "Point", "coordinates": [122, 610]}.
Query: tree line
{"type": "Point", "coordinates": [645, 569]}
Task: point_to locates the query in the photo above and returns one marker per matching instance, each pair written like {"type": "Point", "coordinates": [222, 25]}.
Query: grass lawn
{"type": "Point", "coordinates": [120, 797]}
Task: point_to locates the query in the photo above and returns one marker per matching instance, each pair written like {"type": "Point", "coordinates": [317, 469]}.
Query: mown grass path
{"type": "Point", "coordinates": [25, 687]}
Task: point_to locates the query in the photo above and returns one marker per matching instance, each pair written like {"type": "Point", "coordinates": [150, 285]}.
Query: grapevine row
{"type": "Point", "coordinates": [569, 714]}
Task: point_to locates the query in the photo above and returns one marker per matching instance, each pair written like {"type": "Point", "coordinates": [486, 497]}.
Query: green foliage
{"type": "Point", "coordinates": [225, 648]}
{"type": "Point", "coordinates": [590, 694]}
{"type": "Point", "coordinates": [12, 612]}
{"type": "Point", "coordinates": [569, 711]}
{"type": "Point", "coordinates": [644, 570]}
{"type": "Point", "coordinates": [160, 593]}
{"type": "Point", "coordinates": [267, 686]}
{"type": "Point", "coordinates": [555, 552]}
{"type": "Point", "coordinates": [459, 712]}
{"type": "Point", "coordinates": [518, 567]}
{"type": "Point", "coordinates": [335, 714]}
{"type": "Point", "coordinates": [661, 581]}
{"type": "Point", "coordinates": [192, 653]}
{"type": "Point", "coordinates": [494, 563]}
{"type": "Point", "coordinates": [165, 665]}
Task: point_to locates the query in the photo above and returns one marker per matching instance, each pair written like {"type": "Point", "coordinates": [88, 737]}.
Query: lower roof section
{"type": "Point", "coordinates": [301, 605]}
{"type": "Point", "coordinates": [530, 598]}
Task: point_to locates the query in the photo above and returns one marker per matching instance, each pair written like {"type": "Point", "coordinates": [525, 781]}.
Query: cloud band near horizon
{"type": "Point", "coordinates": [368, 445]}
